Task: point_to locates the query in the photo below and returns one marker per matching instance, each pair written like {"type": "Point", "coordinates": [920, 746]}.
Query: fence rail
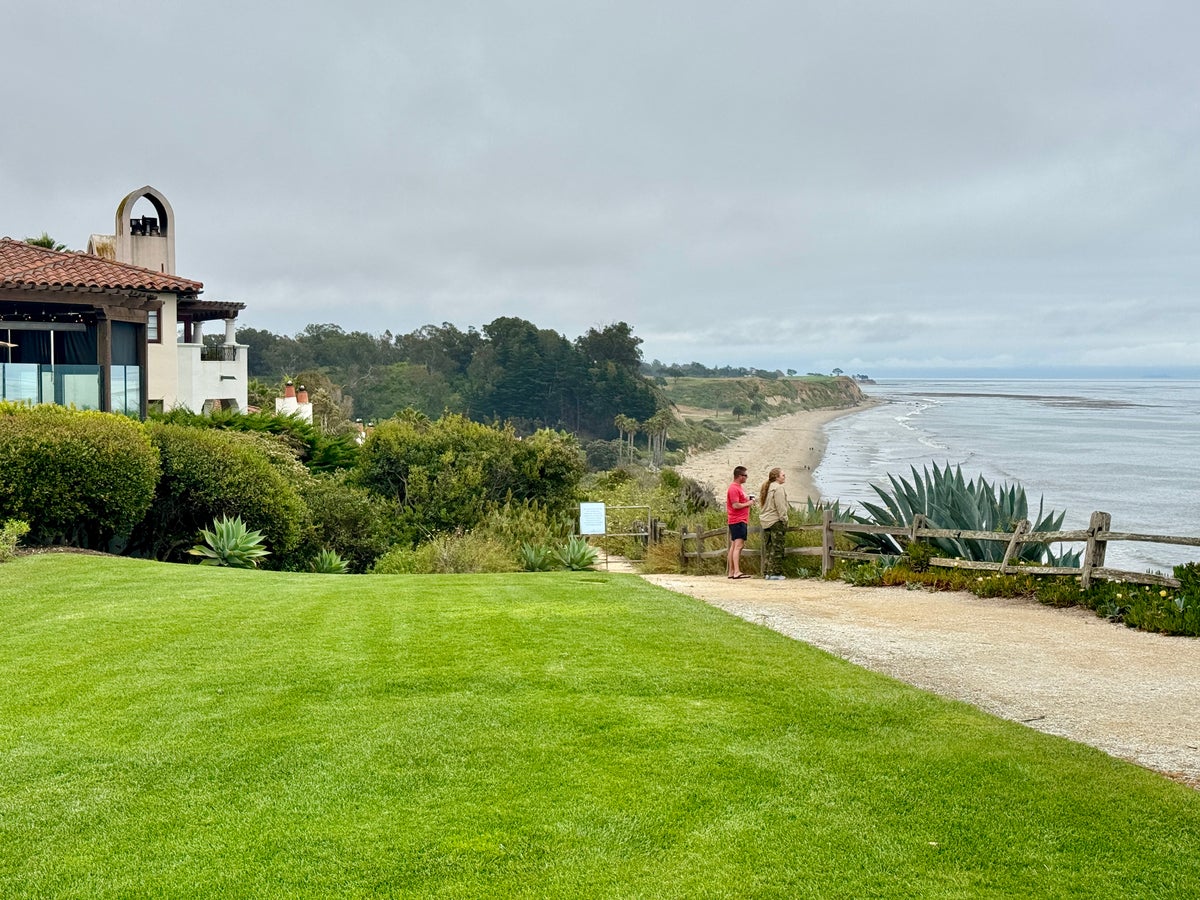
{"type": "Point", "coordinates": [1096, 538]}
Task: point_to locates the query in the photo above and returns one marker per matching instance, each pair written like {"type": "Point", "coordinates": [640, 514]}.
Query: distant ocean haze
{"type": "Point", "coordinates": [1125, 447]}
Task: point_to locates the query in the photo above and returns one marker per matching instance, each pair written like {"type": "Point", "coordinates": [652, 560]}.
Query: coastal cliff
{"type": "Point", "coordinates": [832, 393]}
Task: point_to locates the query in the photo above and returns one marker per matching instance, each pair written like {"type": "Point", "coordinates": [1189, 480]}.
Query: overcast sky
{"type": "Point", "coordinates": [887, 187]}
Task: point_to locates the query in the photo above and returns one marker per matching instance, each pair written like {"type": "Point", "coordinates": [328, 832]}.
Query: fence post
{"type": "Point", "coordinates": [1093, 556]}
{"type": "Point", "coordinates": [918, 522]}
{"type": "Point", "coordinates": [826, 542]}
{"type": "Point", "coordinates": [1018, 532]}
{"type": "Point", "coordinates": [683, 560]}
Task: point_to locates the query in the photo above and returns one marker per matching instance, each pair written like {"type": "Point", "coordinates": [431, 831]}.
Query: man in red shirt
{"type": "Point", "coordinates": [737, 512]}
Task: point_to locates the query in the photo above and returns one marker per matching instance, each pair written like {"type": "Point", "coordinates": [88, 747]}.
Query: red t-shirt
{"type": "Point", "coordinates": [735, 494]}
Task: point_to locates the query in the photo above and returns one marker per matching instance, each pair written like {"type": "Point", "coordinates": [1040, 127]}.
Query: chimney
{"type": "Point", "coordinates": [289, 390]}
{"type": "Point", "coordinates": [302, 395]}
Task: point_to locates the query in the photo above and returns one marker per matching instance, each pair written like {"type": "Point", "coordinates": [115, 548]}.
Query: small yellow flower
{"type": "Point", "coordinates": [1162, 593]}
{"type": "Point", "coordinates": [1119, 596]}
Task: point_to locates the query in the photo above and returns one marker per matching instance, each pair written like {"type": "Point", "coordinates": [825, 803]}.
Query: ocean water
{"type": "Point", "coordinates": [1128, 448]}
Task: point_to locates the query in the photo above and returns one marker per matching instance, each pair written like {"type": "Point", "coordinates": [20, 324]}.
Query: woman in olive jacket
{"type": "Point", "coordinates": [773, 517]}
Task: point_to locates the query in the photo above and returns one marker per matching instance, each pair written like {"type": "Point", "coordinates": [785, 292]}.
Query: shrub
{"type": "Point", "coordinates": [447, 554]}
{"type": "Point", "coordinates": [514, 524]}
{"type": "Point", "coordinates": [1189, 581]}
{"type": "Point", "coordinates": [602, 454]}
{"type": "Point", "coordinates": [78, 478]}
{"type": "Point", "coordinates": [11, 533]}
{"type": "Point", "coordinates": [917, 555]}
{"type": "Point", "coordinates": [868, 574]}
{"type": "Point", "coordinates": [208, 474]}
{"type": "Point", "coordinates": [317, 450]}
{"type": "Point", "coordinates": [347, 519]}
{"type": "Point", "coordinates": [447, 475]}
{"type": "Point", "coordinates": [231, 544]}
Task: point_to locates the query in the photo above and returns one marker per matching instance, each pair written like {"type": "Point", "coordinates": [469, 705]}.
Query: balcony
{"type": "Point", "coordinates": [207, 373]}
{"type": "Point", "coordinates": [223, 353]}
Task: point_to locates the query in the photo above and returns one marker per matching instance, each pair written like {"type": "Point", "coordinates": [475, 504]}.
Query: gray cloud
{"type": "Point", "coordinates": [873, 185]}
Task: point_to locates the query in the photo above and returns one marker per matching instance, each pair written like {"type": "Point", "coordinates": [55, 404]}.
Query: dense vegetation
{"type": "Point", "coordinates": [150, 489]}
{"type": "Point", "coordinates": [508, 371]}
{"type": "Point", "coordinates": [198, 733]}
{"type": "Point", "coordinates": [80, 478]}
{"type": "Point", "coordinates": [447, 474]}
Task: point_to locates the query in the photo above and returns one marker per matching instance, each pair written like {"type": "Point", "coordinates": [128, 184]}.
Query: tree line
{"type": "Point", "coordinates": [509, 370]}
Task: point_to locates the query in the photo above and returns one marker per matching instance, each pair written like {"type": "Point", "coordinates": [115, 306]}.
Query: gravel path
{"type": "Point", "coordinates": [1065, 672]}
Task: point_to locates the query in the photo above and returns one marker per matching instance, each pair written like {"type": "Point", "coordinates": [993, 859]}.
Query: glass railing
{"type": "Point", "coordinates": [21, 382]}
{"type": "Point", "coordinates": [77, 386]}
{"type": "Point", "coordinates": [127, 390]}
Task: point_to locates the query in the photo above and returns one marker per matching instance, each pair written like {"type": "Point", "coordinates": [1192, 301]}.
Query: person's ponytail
{"type": "Point", "coordinates": [772, 477]}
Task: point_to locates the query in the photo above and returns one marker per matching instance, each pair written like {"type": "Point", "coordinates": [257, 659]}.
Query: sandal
{"type": "Point", "coordinates": [743, 575]}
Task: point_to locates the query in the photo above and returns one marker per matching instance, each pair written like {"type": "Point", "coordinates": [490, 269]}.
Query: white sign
{"type": "Point", "coordinates": [591, 518]}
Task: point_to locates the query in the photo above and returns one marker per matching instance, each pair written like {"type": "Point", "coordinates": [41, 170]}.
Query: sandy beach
{"type": "Point", "coordinates": [794, 442]}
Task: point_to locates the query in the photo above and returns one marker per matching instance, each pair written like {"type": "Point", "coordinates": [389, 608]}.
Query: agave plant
{"type": "Point", "coordinates": [231, 544]}
{"type": "Point", "coordinates": [814, 512]}
{"type": "Point", "coordinates": [536, 558]}
{"type": "Point", "coordinates": [947, 500]}
{"type": "Point", "coordinates": [577, 555]}
{"type": "Point", "coordinates": [328, 562]}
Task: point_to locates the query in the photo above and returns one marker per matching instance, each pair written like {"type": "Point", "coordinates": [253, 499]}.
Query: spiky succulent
{"type": "Point", "coordinates": [949, 501]}
{"type": "Point", "coordinates": [329, 562]}
{"type": "Point", "coordinates": [231, 544]}
{"type": "Point", "coordinates": [576, 555]}
{"type": "Point", "coordinates": [536, 558]}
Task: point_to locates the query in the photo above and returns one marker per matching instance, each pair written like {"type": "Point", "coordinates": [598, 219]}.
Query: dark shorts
{"type": "Point", "coordinates": [738, 531]}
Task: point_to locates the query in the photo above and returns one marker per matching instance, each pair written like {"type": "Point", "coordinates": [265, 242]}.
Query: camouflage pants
{"type": "Point", "coordinates": [773, 544]}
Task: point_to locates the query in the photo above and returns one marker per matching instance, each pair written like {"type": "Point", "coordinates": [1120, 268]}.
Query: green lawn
{"type": "Point", "coordinates": [197, 732]}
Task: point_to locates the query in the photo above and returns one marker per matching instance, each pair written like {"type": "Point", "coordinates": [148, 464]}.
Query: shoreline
{"type": "Point", "coordinates": [795, 442]}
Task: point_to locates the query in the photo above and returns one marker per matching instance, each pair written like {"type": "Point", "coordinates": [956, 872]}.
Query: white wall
{"type": "Point", "coordinates": [201, 381]}
{"type": "Point", "coordinates": [162, 367]}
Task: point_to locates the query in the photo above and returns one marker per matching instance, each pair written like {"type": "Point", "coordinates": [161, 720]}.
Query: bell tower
{"type": "Point", "coordinates": [146, 241]}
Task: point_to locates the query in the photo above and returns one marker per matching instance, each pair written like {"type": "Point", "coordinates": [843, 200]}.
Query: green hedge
{"type": "Point", "coordinates": [346, 519]}
{"type": "Point", "coordinates": [317, 450]}
{"type": "Point", "coordinates": [82, 479]}
{"type": "Point", "coordinates": [448, 474]}
{"type": "Point", "coordinates": [209, 473]}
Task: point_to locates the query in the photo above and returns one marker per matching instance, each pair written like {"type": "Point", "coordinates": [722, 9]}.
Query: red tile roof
{"type": "Point", "coordinates": [23, 265]}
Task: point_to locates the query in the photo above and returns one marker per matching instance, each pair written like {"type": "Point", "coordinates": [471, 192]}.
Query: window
{"type": "Point", "coordinates": [153, 334]}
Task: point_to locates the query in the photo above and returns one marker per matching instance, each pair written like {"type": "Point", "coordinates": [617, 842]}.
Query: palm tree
{"type": "Point", "coordinates": [621, 421]}
{"type": "Point", "coordinates": [44, 240]}
{"type": "Point", "coordinates": [657, 427]}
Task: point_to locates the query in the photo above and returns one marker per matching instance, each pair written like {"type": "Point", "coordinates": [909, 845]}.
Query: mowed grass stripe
{"type": "Point", "coordinates": [187, 731]}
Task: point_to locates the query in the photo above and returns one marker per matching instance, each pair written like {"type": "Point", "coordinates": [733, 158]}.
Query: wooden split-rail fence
{"type": "Point", "coordinates": [1096, 537]}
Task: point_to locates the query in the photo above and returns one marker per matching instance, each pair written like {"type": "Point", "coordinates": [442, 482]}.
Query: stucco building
{"type": "Point", "coordinates": [115, 328]}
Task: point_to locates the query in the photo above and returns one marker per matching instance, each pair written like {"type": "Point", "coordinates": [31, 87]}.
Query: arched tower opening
{"type": "Point", "coordinates": [145, 231]}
